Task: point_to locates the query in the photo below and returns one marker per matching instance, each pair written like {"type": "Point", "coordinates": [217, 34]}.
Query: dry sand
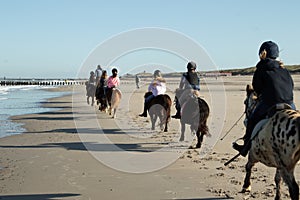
{"type": "Point", "coordinates": [77, 152]}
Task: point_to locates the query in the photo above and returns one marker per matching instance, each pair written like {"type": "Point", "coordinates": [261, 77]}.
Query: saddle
{"type": "Point", "coordinates": [277, 107]}
{"type": "Point", "coordinates": [270, 113]}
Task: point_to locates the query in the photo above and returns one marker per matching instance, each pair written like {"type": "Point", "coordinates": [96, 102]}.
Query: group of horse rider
{"type": "Point", "coordinates": [271, 81]}
{"type": "Point", "coordinates": [189, 80]}
{"type": "Point", "coordinates": [103, 84]}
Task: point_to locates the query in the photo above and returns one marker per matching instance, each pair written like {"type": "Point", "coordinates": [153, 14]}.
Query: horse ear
{"type": "Point", "coordinates": [249, 89]}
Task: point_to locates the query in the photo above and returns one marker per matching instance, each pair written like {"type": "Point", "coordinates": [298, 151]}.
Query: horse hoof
{"type": "Point", "coordinates": [181, 139]}
{"type": "Point", "coordinates": [245, 190]}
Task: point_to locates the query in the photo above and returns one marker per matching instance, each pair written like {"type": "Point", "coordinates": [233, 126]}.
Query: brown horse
{"type": "Point", "coordinates": [101, 98]}
{"type": "Point", "coordinates": [195, 111]}
{"type": "Point", "coordinates": [159, 107]}
{"type": "Point", "coordinates": [275, 143]}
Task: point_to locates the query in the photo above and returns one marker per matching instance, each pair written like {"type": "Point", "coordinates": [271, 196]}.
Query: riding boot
{"type": "Point", "coordinates": [243, 149]}
{"type": "Point", "coordinates": [178, 108]}
{"type": "Point", "coordinates": [144, 114]}
{"type": "Point", "coordinates": [177, 115]}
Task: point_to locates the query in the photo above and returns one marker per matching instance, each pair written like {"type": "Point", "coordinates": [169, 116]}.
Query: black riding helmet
{"type": "Point", "coordinates": [191, 65]}
{"type": "Point", "coordinates": [114, 72]}
{"type": "Point", "coordinates": [271, 48]}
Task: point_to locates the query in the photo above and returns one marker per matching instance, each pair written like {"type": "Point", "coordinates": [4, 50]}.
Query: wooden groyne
{"type": "Point", "coordinates": [41, 82]}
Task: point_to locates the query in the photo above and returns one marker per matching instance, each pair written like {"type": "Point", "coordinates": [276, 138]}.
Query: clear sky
{"type": "Point", "coordinates": [53, 38]}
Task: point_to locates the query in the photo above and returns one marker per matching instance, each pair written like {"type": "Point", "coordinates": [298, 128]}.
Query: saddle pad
{"type": "Point", "coordinates": [258, 126]}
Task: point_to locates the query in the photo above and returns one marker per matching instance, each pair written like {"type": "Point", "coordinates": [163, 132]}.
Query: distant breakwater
{"type": "Point", "coordinates": [41, 82]}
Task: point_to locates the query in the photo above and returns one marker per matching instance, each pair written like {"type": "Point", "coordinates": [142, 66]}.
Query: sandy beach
{"type": "Point", "coordinates": [78, 152]}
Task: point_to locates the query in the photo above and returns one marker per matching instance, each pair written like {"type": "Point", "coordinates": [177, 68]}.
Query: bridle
{"type": "Point", "coordinates": [250, 103]}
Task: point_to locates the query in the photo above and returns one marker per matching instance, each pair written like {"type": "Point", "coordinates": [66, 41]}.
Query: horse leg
{"type": "Point", "coordinates": [247, 182]}
{"type": "Point", "coordinates": [93, 100]}
{"type": "Point", "coordinates": [166, 125]}
{"type": "Point", "coordinates": [163, 122]}
{"type": "Point", "coordinates": [278, 180]}
{"type": "Point", "coordinates": [289, 179]}
{"type": "Point", "coordinates": [114, 114]}
{"type": "Point", "coordinates": [153, 120]}
{"type": "Point", "coordinates": [199, 139]}
{"type": "Point", "coordinates": [167, 118]}
{"type": "Point", "coordinates": [182, 131]}
{"type": "Point", "coordinates": [88, 100]}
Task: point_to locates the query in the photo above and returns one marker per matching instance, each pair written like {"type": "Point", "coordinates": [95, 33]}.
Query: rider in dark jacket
{"type": "Point", "coordinates": [273, 84]}
{"type": "Point", "coordinates": [189, 80]}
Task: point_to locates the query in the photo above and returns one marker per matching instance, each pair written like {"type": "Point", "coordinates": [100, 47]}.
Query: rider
{"type": "Point", "coordinates": [90, 87]}
{"type": "Point", "coordinates": [101, 87]}
{"type": "Point", "coordinates": [189, 80]}
{"type": "Point", "coordinates": [157, 87]}
{"type": "Point", "coordinates": [90, 82]}
{"type": "Point", "coordinates": [98, 73]}
{"type": "Point", "coordinates": [273, 84]}
{"type": "Point", "coordinates": [112, 82]}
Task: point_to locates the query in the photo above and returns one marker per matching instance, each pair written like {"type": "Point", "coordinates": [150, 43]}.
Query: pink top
{"type": "Point", "coordinates": [113, 81]}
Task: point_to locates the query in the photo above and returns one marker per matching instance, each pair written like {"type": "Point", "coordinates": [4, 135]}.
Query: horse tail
{"type": "Point", "coordinates": [298, 126]}
{"type": "Point", "coordinates": [204, 113]}
{"type": "Point", "coordinates": [204, 108]}
{"type": "Point", "coordinates": [168, 101]}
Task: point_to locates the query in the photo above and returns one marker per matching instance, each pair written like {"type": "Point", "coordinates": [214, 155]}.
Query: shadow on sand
{"type": "Point", "coordinates": [37, 196]}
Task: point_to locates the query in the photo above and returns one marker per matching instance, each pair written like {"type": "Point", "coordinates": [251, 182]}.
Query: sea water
{"type": "Point", "coordinates": [20, 100]}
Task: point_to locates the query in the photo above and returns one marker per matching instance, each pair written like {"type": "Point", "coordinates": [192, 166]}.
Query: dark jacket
{"type": "Point", "coordinates": [273, 83]}
{"type": "Point", "coordinates": [193, 80]}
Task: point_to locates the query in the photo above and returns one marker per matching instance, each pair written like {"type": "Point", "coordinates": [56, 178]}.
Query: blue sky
{"type": "Point", "coordinates": [53, 38]}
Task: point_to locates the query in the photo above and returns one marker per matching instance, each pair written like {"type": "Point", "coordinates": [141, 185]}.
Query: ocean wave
{"type": "Point", "coordinates": [16, 100]}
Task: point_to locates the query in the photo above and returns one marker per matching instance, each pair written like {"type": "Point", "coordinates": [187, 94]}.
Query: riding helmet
{"type": "Point", "coordinates": [271, 48]}
{"type": "Point", "coordinates": [191, 65]}
{"type": "Point", "coordinates": [157, 73]}
{"type": "Point", "coordinates": [114, 70]}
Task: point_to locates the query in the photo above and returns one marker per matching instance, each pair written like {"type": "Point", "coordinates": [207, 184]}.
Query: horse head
{"type": "Point", "coordinates": [250, 101]}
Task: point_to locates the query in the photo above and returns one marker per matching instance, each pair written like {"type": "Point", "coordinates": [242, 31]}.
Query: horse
{"type": "Point", "coordinates": [101, 98]}
{"type": "Point", "coordinates": [116, 97]}
{"type": "Point", "coordinates": [194, 112]}
{"type": "Point", "coordinates": [90, 92]}
{"type": "Point", "coordinates": [155, 110]}
{"type": "Point", "coordinates": [275, 143]}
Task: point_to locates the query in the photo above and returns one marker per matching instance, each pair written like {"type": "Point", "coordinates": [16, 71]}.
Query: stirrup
{"type": "Point", "coordinates": [237, 146]}
{"type": "Point", "coordinates": [176, 116]}
{"type": "Point", "coordinates": [143, 115]}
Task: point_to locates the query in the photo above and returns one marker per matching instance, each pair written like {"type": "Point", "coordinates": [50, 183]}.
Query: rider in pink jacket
{"type": "Point", "coordinates": [112, 82]}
